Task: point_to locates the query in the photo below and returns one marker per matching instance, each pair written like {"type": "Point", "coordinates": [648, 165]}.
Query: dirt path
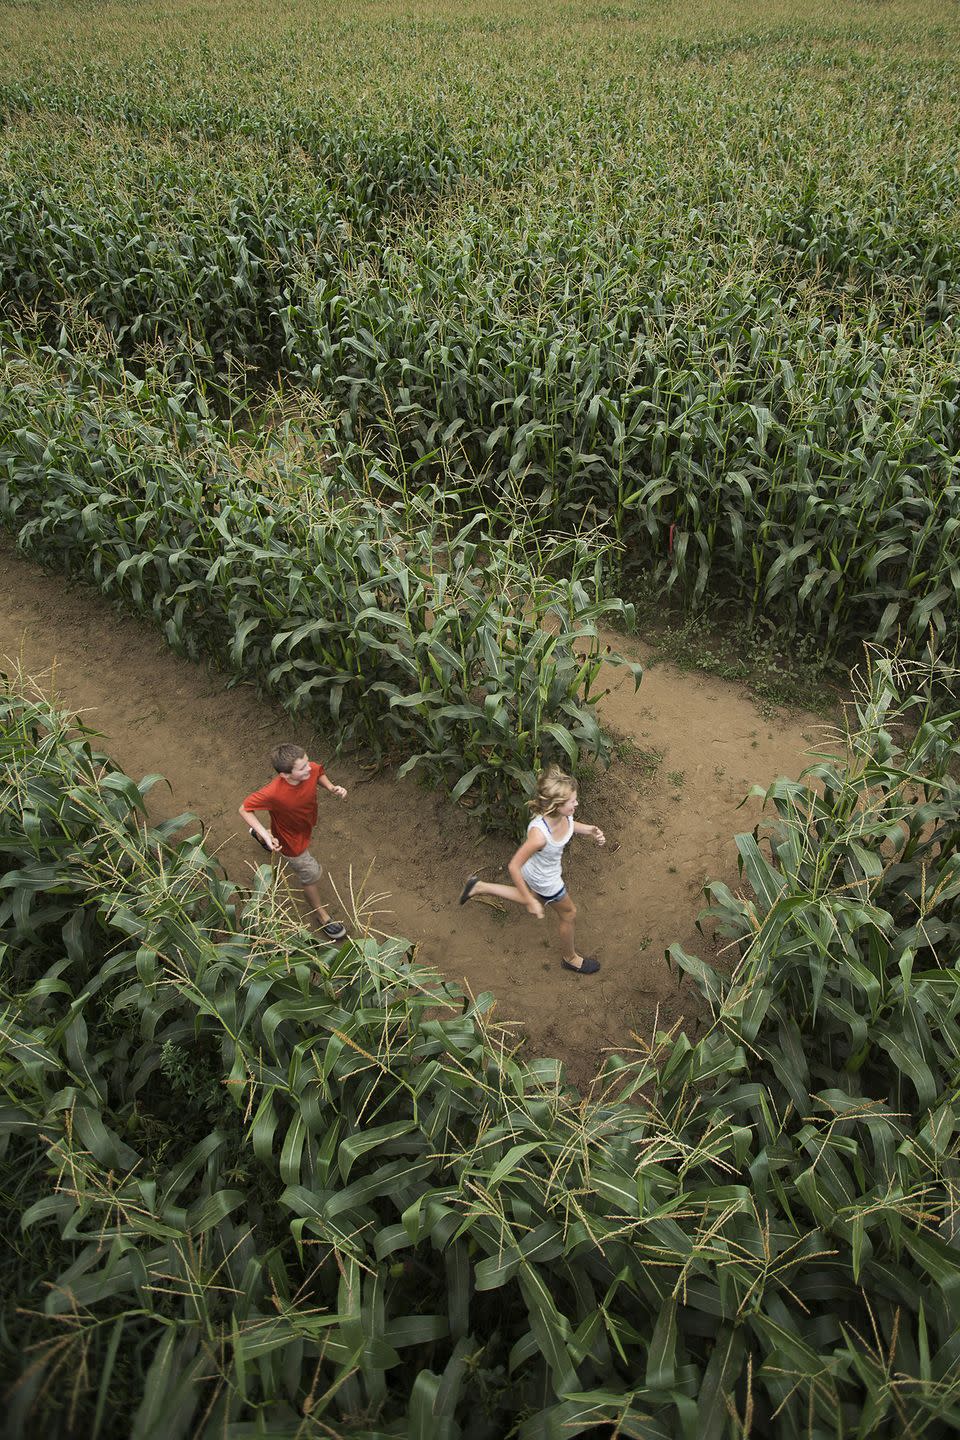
{"type": "Point", "coordinates": [669, 824]}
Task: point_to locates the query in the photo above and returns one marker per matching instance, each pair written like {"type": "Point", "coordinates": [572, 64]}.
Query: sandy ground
{"type": "Point", "coordinates": [669, 820]}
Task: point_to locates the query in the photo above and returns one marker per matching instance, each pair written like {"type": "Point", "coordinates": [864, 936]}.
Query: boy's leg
{"type": "Point", "coordinates": [317, 906]}
{"type": "Point", "coordinates": [306, 869]}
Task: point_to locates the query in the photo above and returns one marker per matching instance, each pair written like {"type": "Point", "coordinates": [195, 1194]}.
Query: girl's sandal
{"type": "Point", "coordinates": [588, 967]}
{"type": "Point", "coordinates": [467, 890]}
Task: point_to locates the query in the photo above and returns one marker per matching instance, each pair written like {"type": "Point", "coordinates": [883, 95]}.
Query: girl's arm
{"type": "Point", "coordinates": [580, 829]}
{"type": "Point", "coordinates": [535, 841]}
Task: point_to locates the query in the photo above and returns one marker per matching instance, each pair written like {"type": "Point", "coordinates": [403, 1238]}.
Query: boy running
{"type": "Point", "coordinates": [291, 802]}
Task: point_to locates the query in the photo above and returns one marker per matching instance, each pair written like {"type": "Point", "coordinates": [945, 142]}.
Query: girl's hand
{"type": "Point", "coordinates": [535, 909]}
{"type": "Point", "coordinates": [599, 836]}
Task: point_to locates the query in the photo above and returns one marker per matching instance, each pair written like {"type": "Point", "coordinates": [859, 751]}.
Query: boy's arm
{"type": "Point", "coordinates": [334, 789]}
{"type": "Point", "coordinates": [249, 819]}
{"type": "Point", "coordinates": [580, 829]}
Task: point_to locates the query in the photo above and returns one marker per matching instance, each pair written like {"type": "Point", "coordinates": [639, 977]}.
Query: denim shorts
{"type": "Point", "coordinates": [549, 899]}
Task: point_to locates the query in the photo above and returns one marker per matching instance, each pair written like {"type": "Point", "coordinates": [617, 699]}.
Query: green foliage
{"type": "Point", "coordinates": [736, 447]}
{"type": "Point", "coordinates": [388, 1224]}
{"type": "Point", "coordinates": [702, 290]}
{"type": "Point", "coordinates": [441, 642]}
{"type": "Point", "coordinates": [539, 275]}
{"type": "Point", "coordinates": [202, 253]}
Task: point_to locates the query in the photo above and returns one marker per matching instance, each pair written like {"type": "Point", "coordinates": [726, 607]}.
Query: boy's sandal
{"type": "Point", "coordinates": [260, 841]}
{"type": "Point", "coordinates": [334, 930]}
{"type": "Point", "coordinates": [589, 966]}
{"type": "Point", "coordinates": [467, 890]}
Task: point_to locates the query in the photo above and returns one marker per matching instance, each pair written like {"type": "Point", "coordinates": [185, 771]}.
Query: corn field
{"type": "Point", "coordinates": [702, 292]}
{"type": "Point", "coordinates": [260, 1188]}
{"type": "Point", "coordinates": [382, 356]}
{"type": "Point", "coordinates": [428, 640]}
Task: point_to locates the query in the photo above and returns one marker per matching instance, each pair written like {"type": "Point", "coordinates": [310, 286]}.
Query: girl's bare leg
{"type": "Point", "coordinates": [566, 913]}
{"type": "Point", "coordinates": [503, 892]}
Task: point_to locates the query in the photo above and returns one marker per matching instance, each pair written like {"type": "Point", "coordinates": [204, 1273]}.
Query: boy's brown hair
{"type": "Point", "coordinates": [284, 757]}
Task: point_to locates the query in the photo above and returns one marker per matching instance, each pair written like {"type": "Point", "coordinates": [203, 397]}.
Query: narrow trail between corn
{"type": "Point", "coordinates": [669, 825]}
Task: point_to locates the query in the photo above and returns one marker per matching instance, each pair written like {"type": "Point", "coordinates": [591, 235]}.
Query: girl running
{"type": "Point", "coordinates": [535, 868]}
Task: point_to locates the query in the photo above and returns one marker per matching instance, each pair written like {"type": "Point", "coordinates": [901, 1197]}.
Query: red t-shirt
{"type": "Point", "coordinates": [292, 808]}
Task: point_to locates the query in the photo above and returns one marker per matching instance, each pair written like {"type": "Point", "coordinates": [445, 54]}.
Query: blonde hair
{"type": "Point", "coordinates": [553, 788]}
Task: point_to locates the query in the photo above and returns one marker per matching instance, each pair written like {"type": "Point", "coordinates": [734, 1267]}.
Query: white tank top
{"type": "Point", "coordinates": [542, 870]}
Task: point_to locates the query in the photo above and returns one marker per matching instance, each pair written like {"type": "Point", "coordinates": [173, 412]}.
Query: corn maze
{"type": "Point", "coordinates": [383, 354]}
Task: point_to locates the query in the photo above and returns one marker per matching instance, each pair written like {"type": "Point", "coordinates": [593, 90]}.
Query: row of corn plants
{"type": "Point", "coordinates": [433, 641]}
{"type": "Point", "coordinates": [809, 472]}
{"type": "Point", "coordinates": [843, 209]}
{"type": "Point", "coordinates": [266, 1189]}
{"type": "Point", "coordinates": [194, 257]}
{"type": "Point", "coordinates": [373, 163]}
{"type": "Point", "coordinates": [756, 390]}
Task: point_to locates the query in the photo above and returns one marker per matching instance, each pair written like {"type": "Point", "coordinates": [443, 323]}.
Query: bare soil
{"type": "Point", "coordinates": [690, 747]}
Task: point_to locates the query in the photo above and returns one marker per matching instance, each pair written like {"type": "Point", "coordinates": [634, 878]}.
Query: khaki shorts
{"type": "Point", "coordinates": [305, 867]}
